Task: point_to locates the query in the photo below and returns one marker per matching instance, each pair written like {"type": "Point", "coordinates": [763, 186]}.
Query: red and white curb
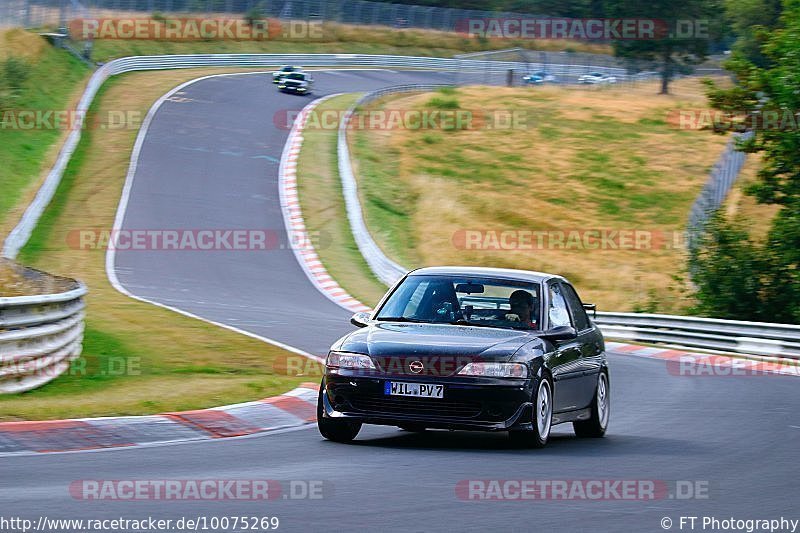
{"type": "Point", "coordinates": [293, 409]}
{"type": "Point", "coordinates": [293, 216]}
{"type": "Point", "coordinates": [693, 364]}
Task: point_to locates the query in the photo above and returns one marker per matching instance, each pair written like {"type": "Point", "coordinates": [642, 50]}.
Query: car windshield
{"type": "Point", "coordinates": [475, 301]}
{"type": "Point", "coordinates": [296, 76]}
{"type": "Point", "coordinates": [287, 69]}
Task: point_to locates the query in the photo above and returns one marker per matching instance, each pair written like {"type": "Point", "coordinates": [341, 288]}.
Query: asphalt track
{"type": "Point", "coordinates": [201, 167]}
{"type": "Point", "coordinates": [210, 161]}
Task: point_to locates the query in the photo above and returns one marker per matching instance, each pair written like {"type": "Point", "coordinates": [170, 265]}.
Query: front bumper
{"type": "Point", "coordinates": [469, 403]}
{"type": "Point", "coordinates": [293, 89]}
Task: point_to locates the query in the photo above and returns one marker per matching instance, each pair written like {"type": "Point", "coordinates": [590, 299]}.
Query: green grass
{"type": "Point", "coordinates": [54, 79]}
{"type": "Point", "coordinates": [37, 244]}
{"type": "Point", "coordinates": [386, 201]}
{"type": "Point", "coordinates": [137, 358]}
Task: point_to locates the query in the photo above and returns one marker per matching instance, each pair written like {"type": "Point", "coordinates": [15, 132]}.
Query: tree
{"type": "Point", "coordinates": [751, 21]}
{"type": "Point", "coordinates": [770, 98]}
{"type": "Point", "coordinates": [691, 24]}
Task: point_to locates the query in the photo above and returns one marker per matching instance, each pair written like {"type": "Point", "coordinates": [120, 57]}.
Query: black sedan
{"type": "Point", "coordinates": [470, 349]}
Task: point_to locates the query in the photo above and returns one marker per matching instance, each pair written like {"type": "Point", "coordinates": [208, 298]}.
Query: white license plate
{"type": "Point", "coordinates": [421, 390]}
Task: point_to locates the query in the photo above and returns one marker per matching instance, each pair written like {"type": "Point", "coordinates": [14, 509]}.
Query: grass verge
{"type": "Point", "coordinates": [322, 203]}
{"type": "Point", "coordinates": [28, 152]}
{"type": "Point", "coordinates": [576, 160]}
{"type": "Point", "coordinates": [138, 359]}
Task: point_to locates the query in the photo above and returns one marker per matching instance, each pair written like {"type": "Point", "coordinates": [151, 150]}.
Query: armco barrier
{"type": "Point", "coordinates": [39, 336]}
{"type": "Point", "coordinates": [757, 338]}
{"type": "Point", "coordinates": [384, 268]}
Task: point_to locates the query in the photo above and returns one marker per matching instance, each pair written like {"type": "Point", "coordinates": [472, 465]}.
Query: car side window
{"type": "Point", "coordinates": [557, 312]}
{"type": "Point", "coordinates": [576, 308]}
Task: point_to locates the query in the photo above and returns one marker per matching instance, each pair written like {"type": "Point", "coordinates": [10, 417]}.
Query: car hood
{"type": "Point", "coordinates": [424, 340]}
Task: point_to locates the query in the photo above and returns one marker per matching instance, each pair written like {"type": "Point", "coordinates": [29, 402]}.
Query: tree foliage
{"type": "Point", "coordinates": [770, 96]}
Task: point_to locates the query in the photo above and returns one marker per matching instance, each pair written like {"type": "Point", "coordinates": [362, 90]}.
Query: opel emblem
{"type": "Point", "coordinates": [416, 366]}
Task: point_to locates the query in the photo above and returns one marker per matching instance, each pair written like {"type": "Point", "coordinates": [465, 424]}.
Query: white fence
{"type": "Point", "coordinates": [39, 336]}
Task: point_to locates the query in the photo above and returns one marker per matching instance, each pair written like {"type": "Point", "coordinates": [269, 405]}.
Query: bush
{"type": "Point", "coordinates": [443, 103]}
{"type": "Point", "coordinates": [16, 74]}
{"type": "Point", "coordinates": [254, 15]}
{"type": "Point", "coordinates": [741, 280]}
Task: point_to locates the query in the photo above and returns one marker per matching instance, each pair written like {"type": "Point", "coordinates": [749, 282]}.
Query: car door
{"type": "Point", "coordinates": [565, 364]}
{"type": "Point", "coordinates": [589, 343]}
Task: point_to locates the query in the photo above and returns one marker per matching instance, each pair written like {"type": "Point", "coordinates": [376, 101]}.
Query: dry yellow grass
{"type": "Point", "coordinates": [744, 209]}
{"type": "Point", "coordinates": [20, 43]}
{"type": "Point", "coordinates": [15, 282]}
{"type": "Point", "coordinates": [588, 160]}
{"type": "Point", "coordinates": [182, 363]}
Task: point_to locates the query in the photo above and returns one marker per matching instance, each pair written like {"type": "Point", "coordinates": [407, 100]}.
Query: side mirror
{"type": "Point", "coordinates": [592, 308]}
{"type": "Point", "coordinates": [561, 333]}
{"type": "Point", "coordinates": [360, 319]}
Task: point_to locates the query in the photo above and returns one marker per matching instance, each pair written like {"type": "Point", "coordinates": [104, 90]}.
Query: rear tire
{"type": "Point", "coordinates": [595, 426]}
{"type": "Point", "coordinates": [337, 430]}
{"type": "Point", "coordinates": [542, 418]}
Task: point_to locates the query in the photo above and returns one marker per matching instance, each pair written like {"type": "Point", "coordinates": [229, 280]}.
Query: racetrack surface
{"type": "Point", "coordinates": [735, 433]}
{"type": "Point", "coordinates": [210, 161]}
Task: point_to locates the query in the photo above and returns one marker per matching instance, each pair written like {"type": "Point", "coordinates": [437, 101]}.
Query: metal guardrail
{"type": "Point", "coordinates": [39, 336]}
{"type": "Point", "coordinates": [756, 338]}
{"type": "Point", "coordinates": [384, 268]}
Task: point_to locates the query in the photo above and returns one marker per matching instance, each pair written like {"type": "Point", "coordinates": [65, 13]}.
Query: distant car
{"type": "Point", "coordinates": [546, 76]}
{"type": "Point", "coordinates": [532, 79]}
{"type": "Point", "coordinates": [285, 70]}
{"type": "Point", "coordinates": [469, 348]}
{"type": "Point", "coordinates": [597, 78]}
{"type": "Point", "coordinates": [296, 82]}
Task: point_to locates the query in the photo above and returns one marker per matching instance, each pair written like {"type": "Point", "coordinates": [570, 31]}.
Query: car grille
{"type": "Point", "coordinates": [380, 404]}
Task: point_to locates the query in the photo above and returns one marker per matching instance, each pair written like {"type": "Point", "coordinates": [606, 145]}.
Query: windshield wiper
{"type": "Point", "coordinates": [398, 319]}
{"type": "Point", "coordinates": [463, 322]}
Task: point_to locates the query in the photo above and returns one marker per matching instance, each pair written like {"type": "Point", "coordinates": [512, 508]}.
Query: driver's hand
{"type": "Point", "coordinates": [513, 317]}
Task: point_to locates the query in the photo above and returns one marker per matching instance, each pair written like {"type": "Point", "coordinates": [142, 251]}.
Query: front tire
{"type": "Point", "coordinates": [337, 430]}
{"type": "Point", "coordinates": [542, 418]}
{"type": "Point", "coordinates": [595, 426]}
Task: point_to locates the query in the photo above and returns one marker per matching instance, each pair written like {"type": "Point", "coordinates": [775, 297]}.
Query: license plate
{"type": "Point", "coordinates": [420, 390]}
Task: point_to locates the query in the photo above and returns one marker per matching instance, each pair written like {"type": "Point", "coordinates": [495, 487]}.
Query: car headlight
{"type": "Point", "coordinates": [355, 361]}
{"type": "Point", "coordinates": [495, 370]}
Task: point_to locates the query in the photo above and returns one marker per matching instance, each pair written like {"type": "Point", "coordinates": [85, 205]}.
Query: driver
{"type": "Point", "coordinates": [521, 303]}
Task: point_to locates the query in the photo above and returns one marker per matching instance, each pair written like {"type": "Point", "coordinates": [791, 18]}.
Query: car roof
{"type": "Point", "coordinates": [502, 273]}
